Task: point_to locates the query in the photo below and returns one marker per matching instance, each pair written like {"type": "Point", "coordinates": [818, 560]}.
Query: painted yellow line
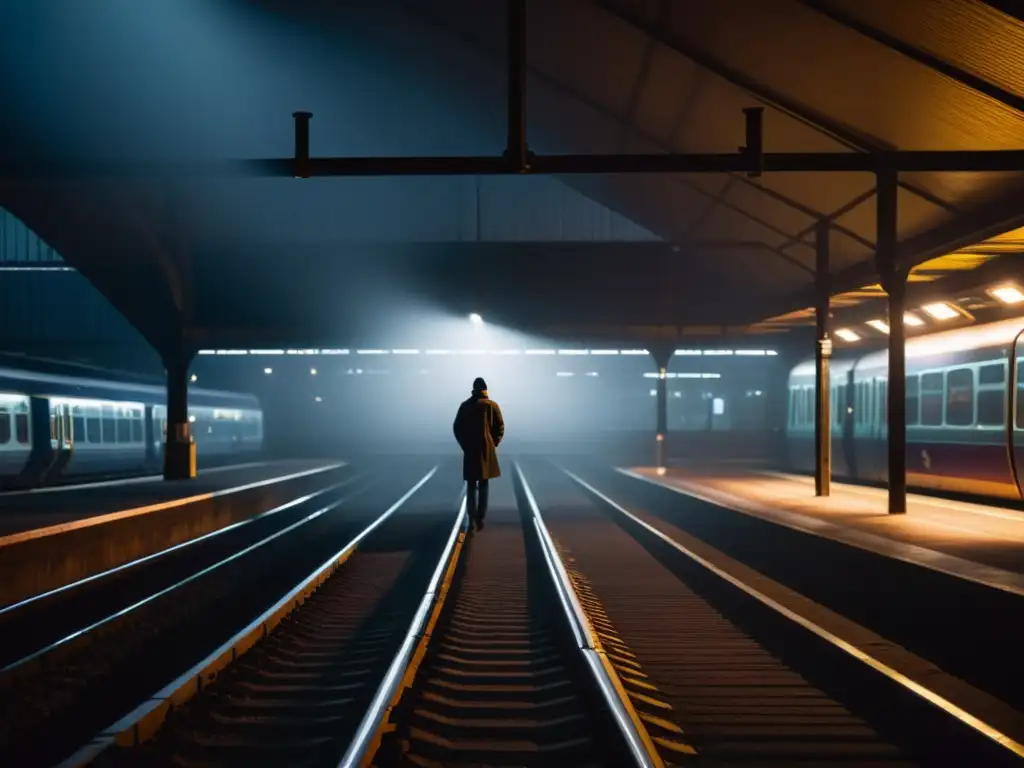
{"type": "Point", "coordinates": [924, 692]}
{"type": "Point", "coordinates": [86, 522]}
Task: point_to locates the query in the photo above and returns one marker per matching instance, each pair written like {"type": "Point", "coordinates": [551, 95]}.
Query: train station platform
{"type": "Point", "coordinates": [975, 542]}
{"type": "Point", "coordinates": [51, 538]}
{"type": "Point", "coordinates": [42, 512]}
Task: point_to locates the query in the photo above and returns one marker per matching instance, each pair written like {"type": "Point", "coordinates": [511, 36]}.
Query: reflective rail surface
{"type": "Point", "coordinates": [61, 695]}
{"type": "Point", "coordinates": [299, 666]}
{"type": "Point", "coordinates": [493, 679]}
{"type": "Point", "coordinates": [842, 692]}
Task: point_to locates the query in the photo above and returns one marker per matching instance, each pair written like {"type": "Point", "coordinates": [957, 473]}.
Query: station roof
{"type": "Point", "coordinates": [234, 259]}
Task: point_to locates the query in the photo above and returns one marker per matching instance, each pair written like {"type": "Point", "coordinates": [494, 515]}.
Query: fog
{"type": "Point", "coordinates": [555, 397]}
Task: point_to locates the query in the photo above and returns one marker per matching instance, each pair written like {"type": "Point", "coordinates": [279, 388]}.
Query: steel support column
{"type": "Point", "coordinates": [516, 148]}
{"type": "Point", "coordinates": [894, 281]}
{"type": "Point", "coordinates": [823, 351]}
{"type": "Point", "coordinates": [661, 360]}
{"type": "Point", "coordinates": [179, 446]}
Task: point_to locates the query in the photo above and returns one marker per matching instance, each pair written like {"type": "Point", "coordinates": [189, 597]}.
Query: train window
{"type": "Point", "coordinates": [93, 426]}
{"type": "Point", "coordinates": [78, 423]}
{"type": "Point", "coordinates": [883, 403]}
{"type": "Point", "coordinates": [808, 405]}
{"type": "Point", "coordinates": [992, 374]}
{"type": "Point", "coordinates": [991, 407]}
{"type": "Point", "coordinates": [932, 399]}
{"type": "Point", "coordinates": [5, 426]}
{"type": "Point", "coordinates": [21, 423]}
{"type": "Point", "coordinates": [109, 425]}
{"type": "Point", "coordinates": [960, 397]}
{"type": "Point", "coordinates": [137, 429]}
{"type": "Point", "coordinates": [124, 429]}
{"type": "Point", "coordinates": [913, 400]}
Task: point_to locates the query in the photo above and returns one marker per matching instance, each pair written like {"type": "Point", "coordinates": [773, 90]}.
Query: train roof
{"type": "Point", "coordinates": [24, 379]}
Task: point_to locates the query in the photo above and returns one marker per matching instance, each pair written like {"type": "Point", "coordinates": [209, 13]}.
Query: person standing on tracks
{"type": "Point", "coordinates": [479, 428]}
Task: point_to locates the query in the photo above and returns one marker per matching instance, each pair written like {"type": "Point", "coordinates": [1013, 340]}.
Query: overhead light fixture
{"type": "Point", "coordinates": [940, 311]}
{"type": "Point", "coordinates": [909, 318]}
{"type": "Point", "coordinates": [194, 377]}
{"type": "Point", "coordinates": [268, 371]}
{"type": "Point", "coordinates": [1008, 294]}
{"type": "Point", "coordinates": [475, 319]}
{"type": "Point", "coordinates": [312, 371]}
{"type": "Point", "coordinates": [879, 325]}
{"type": "Point", "coordinates": [847, 335]}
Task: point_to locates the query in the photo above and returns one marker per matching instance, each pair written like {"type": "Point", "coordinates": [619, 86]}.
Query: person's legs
{"type": "Point", "coordinates": [484, 486]}
{"type": "Point", "coordinates": [471, 500]}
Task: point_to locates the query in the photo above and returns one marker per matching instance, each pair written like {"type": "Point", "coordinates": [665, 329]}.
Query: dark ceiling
{"type": "Point", "coordinates": [231, 260]}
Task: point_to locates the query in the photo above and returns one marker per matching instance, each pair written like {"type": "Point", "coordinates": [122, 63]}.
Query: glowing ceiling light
{"type": "Point", "coordinates": [847, 335]}
{"type": "Point", "coordinates": [475, 319]}
{"type": "Point", "coordinates": [574, 351]}
{"type": "Point", "coordinates": [688, 352]}
{"type": "Point", "coordinates": [564, 374]}
{"type": "Point", "coordinates": [540, 351]}
{"type": "Point", "coordinates": [940, 311]}
{"type": "Point", "coordinates": [717, 352]}
{"type": "Point", "coordinates": [207, 351]}
{"type": "Point", "coordinates": [268, 371]}
{"type": "Point", "coordinates": [604, 351]}
{"type": "Point", "coordinates": [879, 325]}
{"type": "Point", "coordinates": [1008, 294]}
{"type": "Point", "coordinates": [405, 351]}
{"type": "Point", "coordinates": [312, 371]}
{"type": "Point", "coordinates": [439, 351]}
{"type": "Point", "coordinates": [752, 352]}
{"type": "Point", "coordinates": [194, 377]}
{"type": "Point", "coordinates": [909, 318]}
{"type": "Point", "coordinates": [371, 351]}
{"type": "Point", "coordinates": [318, 399]}
{"type": "Point", "coordinates": [509, 352]}
{"type": "Point", "coordinates": [633, 352]}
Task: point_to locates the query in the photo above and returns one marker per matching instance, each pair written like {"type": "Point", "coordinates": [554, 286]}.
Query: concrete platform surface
{"type": "Point", "coordinates": [980, 543]}
{"type": "Point", "coordinates": [26, 515]}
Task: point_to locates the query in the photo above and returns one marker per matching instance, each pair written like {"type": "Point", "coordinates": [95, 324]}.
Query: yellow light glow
{"type": "Point", "coordinates": [879, 325]}
{"type": "Point", "coordinates": [940, 311]}
{"type": "Point", "coordinates": [847, 335]}
{"type": "Point", "coordinates": [909, 318]}
{"type": "Point", "coordinates": [1008, 294]}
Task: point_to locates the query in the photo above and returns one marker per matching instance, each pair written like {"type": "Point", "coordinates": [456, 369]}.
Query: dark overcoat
{"type": "Point", "coordinates": [479, 429]}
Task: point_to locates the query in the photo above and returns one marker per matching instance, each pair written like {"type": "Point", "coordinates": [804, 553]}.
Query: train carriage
{"type": "Point", "coordinates": [958, 398]}
{"type": "Point", "coordinates": [54, 426]}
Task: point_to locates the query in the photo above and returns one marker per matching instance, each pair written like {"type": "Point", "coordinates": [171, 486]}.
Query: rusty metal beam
{"type": "Point", "coordinates": [914, 53]}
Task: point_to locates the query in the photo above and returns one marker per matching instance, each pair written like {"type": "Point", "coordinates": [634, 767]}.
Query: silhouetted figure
{"type": "Point", "coordinates": [479, 429]}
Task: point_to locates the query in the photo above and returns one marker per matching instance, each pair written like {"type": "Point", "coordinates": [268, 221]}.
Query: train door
{"type": "Point", "coordinates": [1015, 411]}
{"type": "Point", "coordinates": [848, 406]}
{"type": "Point", "coordinates": [62, 439]}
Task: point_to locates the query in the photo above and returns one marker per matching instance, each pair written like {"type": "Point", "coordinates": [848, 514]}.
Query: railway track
{"type": "Point", "coordinates": [501, 674]}
{"type": "Point", "coordinates": [145, 631]}
{"type": "Point", "coordinates": [719, 677]}
{"type": "Point", "coordinates": [480, 629]}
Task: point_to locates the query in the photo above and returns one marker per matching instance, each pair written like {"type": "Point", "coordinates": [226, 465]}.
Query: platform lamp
{"type": "Point", "coordinates": [659, 453]}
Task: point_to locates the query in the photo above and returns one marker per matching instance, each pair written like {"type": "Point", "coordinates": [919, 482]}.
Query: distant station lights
{"type": "Point", "coordinates": [543, 352]}
{"type": "Point", "coordinates": [846, 334]}
{"type": "Point", "coordinates": [475, 319]}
